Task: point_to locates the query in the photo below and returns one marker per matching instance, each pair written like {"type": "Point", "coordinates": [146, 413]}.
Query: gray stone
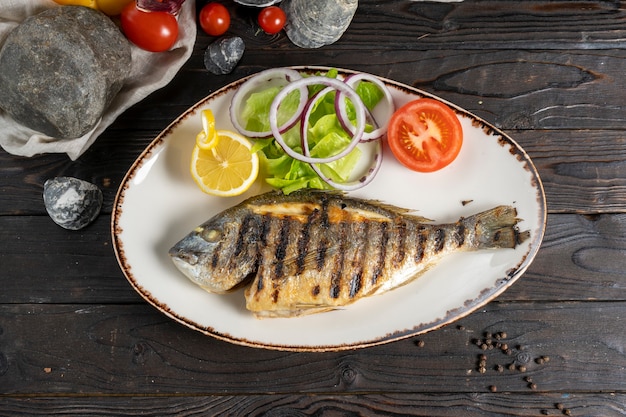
{"type": "Point", "coordinates": [223, 55]}
{"type": "Point", "coordinates": [60, 69]}
{"type": "Point", "coordinates": [72, 203]}
{"type": "Point", "coordinates": [313, 24]}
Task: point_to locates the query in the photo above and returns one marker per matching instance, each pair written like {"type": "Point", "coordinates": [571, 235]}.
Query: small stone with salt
{"type": "Point", "coordinates": [72, 203]}
{"type": "Point", "coordinates": [223, 55]}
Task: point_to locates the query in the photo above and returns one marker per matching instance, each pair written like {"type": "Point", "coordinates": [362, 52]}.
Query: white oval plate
{"type": "Point", "coordinates": [158, 203]}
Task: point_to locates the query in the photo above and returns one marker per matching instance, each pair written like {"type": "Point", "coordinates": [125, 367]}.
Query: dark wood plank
{"type": "Point", "coordinates": [581, 258]}
{"type": "Point", "coordinates": [488, 25]}
{"type": "Point", "coordinates": [76, 339]}
{"type": "Point", "coordinates": [96, 349]}
{"type": "Point", "coordinates": [414, 404]}
{"type": "Point", "coordinates": [43, 263]}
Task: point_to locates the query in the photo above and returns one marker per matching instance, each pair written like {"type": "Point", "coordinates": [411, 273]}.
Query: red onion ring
{"type": "Point", "coordinates": [363, 180]}
{"type": "Point", "coordinates": [380, 129]}
{"type": "Point", "coordinates": [350, 186]}
{"type": "Point", "coordinates": [261, 79]}
{"type": "Point", "coordinates": [337, 85]}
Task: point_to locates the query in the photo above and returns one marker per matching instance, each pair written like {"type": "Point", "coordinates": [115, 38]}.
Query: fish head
{"type": "Point", "coordinates": [216, 255]}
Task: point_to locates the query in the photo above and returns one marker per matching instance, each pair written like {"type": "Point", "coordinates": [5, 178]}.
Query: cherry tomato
{"type": "Point", "coordinates": [214, 19]}
{"type": "Point", "coordinates": [425, 135]}
{"type": "Point", "coordinates": [272, 19]}
{"type": "Point", "coordinates": [152, 31]}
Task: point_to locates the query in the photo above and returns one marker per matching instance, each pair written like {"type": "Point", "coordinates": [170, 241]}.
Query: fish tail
{"type": "Point", "coordinates": [496, 228]}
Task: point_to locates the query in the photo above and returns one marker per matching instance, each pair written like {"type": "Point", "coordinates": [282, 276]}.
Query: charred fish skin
{"type": "Point", "coordinates": [331, 250]}
{"type": "Point", "coordinates": [220, 254]}
{"type": "Point", "coordinates": [314, 251]}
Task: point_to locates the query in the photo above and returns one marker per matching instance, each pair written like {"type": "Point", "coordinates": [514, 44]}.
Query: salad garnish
{"type": "Point", "coordinates": [310, 129]}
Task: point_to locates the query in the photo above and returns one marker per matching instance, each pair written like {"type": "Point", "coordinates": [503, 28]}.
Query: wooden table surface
{"type": "Point", "coordinates": [76, 339]}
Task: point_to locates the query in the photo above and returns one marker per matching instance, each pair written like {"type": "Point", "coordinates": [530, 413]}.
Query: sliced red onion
{"type": "Point", "coordinates": [306, 115]}
{"type": "Point", "coordinates": [337, 85]}
{"type": "Point", "coordinates": [282, 76]}
{"type": "Point", "coordinates": [379, 128]}
{"type": "Point", "coordinates": [363, 180]}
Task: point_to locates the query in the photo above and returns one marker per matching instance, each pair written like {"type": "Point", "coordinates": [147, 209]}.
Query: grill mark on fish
{"type": "Point", "coordinates": [459, 233]}
{"type": "Point", "coordinates": [320, 254]}
{"type": "Point", "coordinates": [400, 253]}
{"type": "Point", "coordinates": [243, 236]}
{"type": "Point", "coordinates": [440, 239]}
{"type": "Point", "coordinates": [281, 248]}
{"type": "Point", "coordinates": [260, 283]}
{"type": "Point", "coordinates": [358, 242]}
{"type": "Point", "coordinates": [315, 291]}
{"type": "Point", "coordinates": [355, 284]}
{"type": "Point", "coordinates": [379, 265]}
{"type": "Point", "coordinates": [324, 225]}
{"type": "Point", "coordinates": [339, 260]}
{"type": "Point", "coordinates": [303, 242]}
{"type": "Point", "coordinates": [215, 259]}
{"type": "Point", "coordinates": [265, 229]}
{"type": "Point", "coordinates": [421, 245]}
{"type": "Point", "coordinates": [324, 222]}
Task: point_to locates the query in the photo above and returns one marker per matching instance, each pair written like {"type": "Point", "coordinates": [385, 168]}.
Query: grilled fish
{"type": "Point", "coordinates": [313, 251]}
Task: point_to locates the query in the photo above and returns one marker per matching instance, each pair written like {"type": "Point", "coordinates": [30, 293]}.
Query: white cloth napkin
{"type": "Point", "coordinates": [149, 72]}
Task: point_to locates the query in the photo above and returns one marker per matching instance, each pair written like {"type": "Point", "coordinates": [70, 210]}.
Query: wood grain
{"type": "Point", "coordinates": [99, 349]}
{"type": "Point", "coordinates": [76, 339]}
{"type": "Point", "coordinates": [337, 405]}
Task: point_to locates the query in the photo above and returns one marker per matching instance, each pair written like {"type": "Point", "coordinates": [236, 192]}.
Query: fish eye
{"type": "Point", "coordinates": [210, 235]}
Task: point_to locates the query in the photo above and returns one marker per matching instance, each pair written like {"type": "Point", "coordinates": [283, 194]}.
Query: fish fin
{"type": "Point", "coordinates": [497, 228]}
{"type": "Point", "coordinates": [295, 311]}
{"type": "Point", "coordinates": [398, 210]}
{"type": "Point", "coordinates": [308, 261]}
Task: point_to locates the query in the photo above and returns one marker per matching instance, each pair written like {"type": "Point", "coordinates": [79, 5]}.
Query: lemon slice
{"type": "Point", "coordinates": [88, 3]}
{"type": "Point", "coordinates": [207, 138]}
{"type": "Point", "coordinates": [228, 169]}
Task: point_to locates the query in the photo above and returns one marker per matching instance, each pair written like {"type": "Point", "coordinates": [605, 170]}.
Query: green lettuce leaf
{"type": "Point", "coordinates": [325, 136]}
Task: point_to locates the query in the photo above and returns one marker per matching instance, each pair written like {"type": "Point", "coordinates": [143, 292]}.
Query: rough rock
{"type": "Point", "coordinates": [223, 55]}
{"type": "Point", "coordinates": [72, 203]}
{"type": "Point", "coordinates": [313, 24]}
{"type": "Point", "coordinates": [60, 69]}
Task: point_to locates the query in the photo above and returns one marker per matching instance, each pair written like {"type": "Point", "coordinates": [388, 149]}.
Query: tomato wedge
{"type": "Point", "coordinates": [425, 135]}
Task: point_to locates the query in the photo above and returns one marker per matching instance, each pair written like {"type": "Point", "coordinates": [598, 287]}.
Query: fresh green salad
{"type": "Point", "coordinates": [326, 137]}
